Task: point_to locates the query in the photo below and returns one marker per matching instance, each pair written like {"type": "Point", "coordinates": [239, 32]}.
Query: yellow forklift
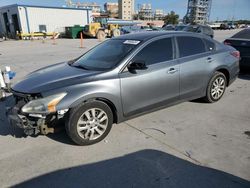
{"type": "Point", "coordinates": [105, 27]}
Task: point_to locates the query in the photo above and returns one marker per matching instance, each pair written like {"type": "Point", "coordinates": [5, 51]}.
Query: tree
{"type": "Point", "coordinates": [171, 18]}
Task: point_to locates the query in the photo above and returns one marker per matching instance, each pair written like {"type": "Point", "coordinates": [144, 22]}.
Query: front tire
{"type": "Point", "coordinates": [101, 35]}
{"type": "Point", "coordinates": [89, 123]}
{"type": "Point", "coordinates": [116, 33]}
{"type": "Point", "coordinates": [216, 87]}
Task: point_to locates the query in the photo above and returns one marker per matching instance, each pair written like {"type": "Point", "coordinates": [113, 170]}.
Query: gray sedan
{"type": "Point", "coordinates": [122, 78]}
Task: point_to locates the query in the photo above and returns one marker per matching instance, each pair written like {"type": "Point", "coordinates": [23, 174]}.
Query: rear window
{"type": "Point", "coordinates": [180, 28]}
{"type": "Point", "coordinates": [207, 30]}
{"type": "Point", "coordinates": [190, 46]}
{"type": "Point", "coordinates": [244, 34]}
{"type": "Point", "coordinates": [191, 28]}
{"type": "Point", "coordinates": [210, 45]}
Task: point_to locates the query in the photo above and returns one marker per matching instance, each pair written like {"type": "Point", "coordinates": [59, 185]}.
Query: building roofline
{"type": "Point", "coordinates": [38, 6]}
{"type": "Point", "coordinates": [6, 6]}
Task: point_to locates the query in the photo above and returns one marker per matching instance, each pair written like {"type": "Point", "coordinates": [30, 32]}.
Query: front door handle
{"type": "Point", "coordinates": [172, 71]}
{"type": "Point", "coordinates": [209, 60]}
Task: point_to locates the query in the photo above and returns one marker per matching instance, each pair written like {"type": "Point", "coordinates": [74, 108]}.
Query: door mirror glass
{"type": "Point", "coordinates": [137, 65]}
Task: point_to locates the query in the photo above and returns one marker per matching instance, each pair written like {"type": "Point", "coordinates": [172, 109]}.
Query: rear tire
{"type": "Point", "coordinates": [216, 87]}
{"type": "Point", "coordinates": [89, 123]}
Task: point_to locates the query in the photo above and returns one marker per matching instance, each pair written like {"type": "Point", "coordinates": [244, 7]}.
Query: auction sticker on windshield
{"type": "Point", "coordinates": [133, 42]}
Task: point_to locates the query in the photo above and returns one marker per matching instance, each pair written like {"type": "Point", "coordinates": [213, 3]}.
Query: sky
{"type": "Point", "coordinates": [221, 9]}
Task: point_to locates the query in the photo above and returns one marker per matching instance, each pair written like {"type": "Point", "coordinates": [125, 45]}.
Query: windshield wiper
{"type": "Point", "coordinates": [79, 66]}
{"type": "Point", "coordinates": [71, 62]}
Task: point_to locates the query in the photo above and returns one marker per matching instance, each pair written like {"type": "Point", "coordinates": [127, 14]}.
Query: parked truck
{"type": "Point", "coordinates": [215, 26]}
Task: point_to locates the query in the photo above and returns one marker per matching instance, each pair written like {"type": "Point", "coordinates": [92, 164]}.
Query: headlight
{"type": "Point", "coordinates": [44, 105]}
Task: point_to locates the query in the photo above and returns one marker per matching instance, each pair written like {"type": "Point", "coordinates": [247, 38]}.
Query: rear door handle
{"type": "Point", "coordinates": [209, 59]}
{"type": "Point", "coordinates": [172, 71]}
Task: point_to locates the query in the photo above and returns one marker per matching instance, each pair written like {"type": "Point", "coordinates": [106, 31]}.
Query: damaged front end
{"type": "Point", "coordinates": [35, 114]}
{"type": "Point", "coordinates": [32, 112]}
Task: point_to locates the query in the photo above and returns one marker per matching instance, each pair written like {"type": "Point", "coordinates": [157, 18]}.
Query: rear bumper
{"type": "Point", "coordinates": [234, 75]}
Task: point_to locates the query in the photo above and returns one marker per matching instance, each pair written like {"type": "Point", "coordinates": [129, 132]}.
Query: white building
{"type": "Point", "coordinates": [146, 12]}
{"type": "Point", "coordinates": [112, 9]}
{"type": "Point", "coordinates": [126, 9]}
{"type": "Point", "coordinates": [159, 14]}
{"type": "Point", "coordinates": [96, 8]}
{"type": "Point", "coordinates": [29, 18]}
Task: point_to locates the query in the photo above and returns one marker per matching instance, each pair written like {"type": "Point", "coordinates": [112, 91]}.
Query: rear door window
{"type": "Point", "coordinates": [156, 52]}
{"type": "Point", "coordinates": [190, 46]}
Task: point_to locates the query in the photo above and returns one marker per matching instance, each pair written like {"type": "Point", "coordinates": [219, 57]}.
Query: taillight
{"type": "Point", "coordinates": [235, 54]}
{"type": "Point", "coordinates": [227, 43]}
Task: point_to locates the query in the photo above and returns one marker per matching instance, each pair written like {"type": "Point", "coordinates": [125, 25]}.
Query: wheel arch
{"type": "Point", "coordinates": [105, 100]}
{"type": "Point", "coordinates": [225, 72]}
{"type": "Point", "coordinates": [111, 106]}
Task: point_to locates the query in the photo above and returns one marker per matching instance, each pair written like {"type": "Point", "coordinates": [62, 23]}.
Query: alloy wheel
{"type": "Point", "coordinates": [218, 87]}
{"type": "Point", "coordinates": [92, 124]}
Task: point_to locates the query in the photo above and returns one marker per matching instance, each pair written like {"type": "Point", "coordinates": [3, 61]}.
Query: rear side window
{"type": "Point", "coordinates": [156, 52]}
{"type": "Point", "coordinates": [190, 46]}
{"type": "Point", "coordinates": [210, 45]}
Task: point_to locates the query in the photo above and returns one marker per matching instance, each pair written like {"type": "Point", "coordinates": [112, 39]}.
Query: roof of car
{"type": "Point", "coordinates": [147, 35]}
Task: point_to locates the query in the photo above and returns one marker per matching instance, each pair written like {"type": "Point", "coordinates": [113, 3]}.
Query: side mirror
{"type": "Point", "coordinates": [137, 65]}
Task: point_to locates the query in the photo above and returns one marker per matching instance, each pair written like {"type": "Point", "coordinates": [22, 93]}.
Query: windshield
{"type": "Point", "coordinates": [106, 55]}
{"type": "Point", "coordinates": [180, 28]}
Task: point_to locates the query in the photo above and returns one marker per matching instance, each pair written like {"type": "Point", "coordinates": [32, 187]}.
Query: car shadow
{"type": "Point", "coordinates": [244, 75]}
{"type": "Point", "coordinates": [61, 136]}
{"type": "Point", "coordinates": [5, 128]}
{"type": "Point", "coordinates": [200, 100]}
{"type": "Point", "coordinates": [142, 169]}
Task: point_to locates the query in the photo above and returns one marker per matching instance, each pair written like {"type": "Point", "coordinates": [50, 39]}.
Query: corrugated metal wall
{"type": "Point", "coordinates": [54, 19]}
{"type": "Point", "coordinates": [30, 17]}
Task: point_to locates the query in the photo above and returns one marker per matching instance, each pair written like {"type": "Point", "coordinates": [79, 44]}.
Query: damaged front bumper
{"type": "Point", "coordinates": [32, 124]}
